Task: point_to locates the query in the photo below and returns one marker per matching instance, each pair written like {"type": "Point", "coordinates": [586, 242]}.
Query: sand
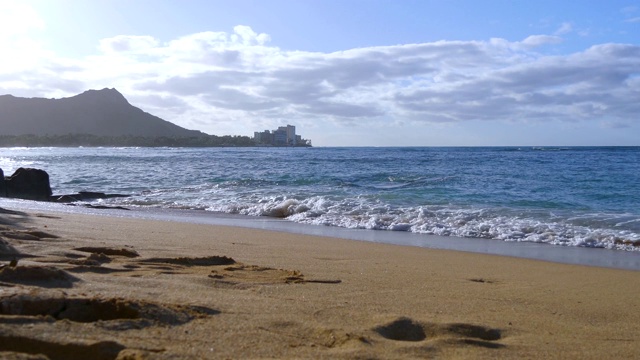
{"type": "Point", "coordinates": [117, 288]}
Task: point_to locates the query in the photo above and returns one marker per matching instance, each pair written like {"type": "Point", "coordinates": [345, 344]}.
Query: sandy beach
{"type": "Point", "coordinates": [117, 288]}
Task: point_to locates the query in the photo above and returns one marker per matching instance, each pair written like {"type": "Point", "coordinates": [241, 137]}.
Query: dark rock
{"type": "Point", "coordinates": [105, 207]}
{"type": "Point", "coordinates": [90, 195]}
{"type": "Point", "coordinates": [84, 196]}
{"type": "Point", "coordinates": [3, 189]}
{"type": "Point", "coordinates": [33, 184]}
{"type": "Point", "coordinates": [29, 184]}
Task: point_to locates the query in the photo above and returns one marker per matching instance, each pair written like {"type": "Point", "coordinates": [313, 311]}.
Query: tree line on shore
{"type": "Point", "coordinates": [88, 140]}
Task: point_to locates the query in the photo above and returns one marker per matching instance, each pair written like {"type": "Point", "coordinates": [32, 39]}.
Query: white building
{"type": "Point", "coordinates": [283, 136]}
{"type": "Point", "coordinates": [290, 130]}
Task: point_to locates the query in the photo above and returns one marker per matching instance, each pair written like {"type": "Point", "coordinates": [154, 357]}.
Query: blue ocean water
{"type": "Point", "coordinates": [573, 196]}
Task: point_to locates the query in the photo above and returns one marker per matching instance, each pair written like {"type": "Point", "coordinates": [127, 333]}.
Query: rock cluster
{"type": "Point", "coordinates": [33, 184]}
{"type": "Point", "coordinates": [26, 183]}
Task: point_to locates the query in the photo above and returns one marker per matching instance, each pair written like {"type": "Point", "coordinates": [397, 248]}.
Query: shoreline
{"type": "Point", "coordinates": [445, 197]}
{"type": "Point", "coordinates": [596, 257]}
{"type": "Point", "coordinates": [186, 291]}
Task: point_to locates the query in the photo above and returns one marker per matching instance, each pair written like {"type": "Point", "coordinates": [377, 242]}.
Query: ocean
{"type": "Point", "coordinates": [564, 196]}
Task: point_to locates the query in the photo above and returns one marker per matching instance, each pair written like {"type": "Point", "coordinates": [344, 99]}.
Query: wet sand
{"type": "Point", "coordinates": [78, 286]}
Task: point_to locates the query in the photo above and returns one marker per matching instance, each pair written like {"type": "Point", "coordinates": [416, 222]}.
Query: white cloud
{"type": "Point", "coordinates": [539, 40]}
{"type": "Point", "coordinates": [633, 20]}
{"type": "Point", "coordinates": [565, 28]}
{"type": "Point", "coordinates": [214, 81]}
{"type": "Point", "coordinates": [247, 36]}
{"type": "Point", "coordinates": [128, 44]}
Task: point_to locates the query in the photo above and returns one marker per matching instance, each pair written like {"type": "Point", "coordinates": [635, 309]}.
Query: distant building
{"type": "Point", "coordinates": [280, 137]}
{"type": "Point", "coordinates": [265, 137]}
{"type": "Point", "coordinates": [283, 136]}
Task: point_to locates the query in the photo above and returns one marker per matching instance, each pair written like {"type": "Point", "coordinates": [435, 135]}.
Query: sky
{"type": "Point", "coordinates": [345, 72]}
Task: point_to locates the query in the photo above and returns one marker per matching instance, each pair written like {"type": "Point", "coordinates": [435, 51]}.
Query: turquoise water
{"type": "Point", "coordinates": [584, 196]}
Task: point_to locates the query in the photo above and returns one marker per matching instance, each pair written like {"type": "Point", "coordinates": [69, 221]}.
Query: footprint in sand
{"type": "Point", "coordinates": [42, 276]}
{"type": "Point", "coordinates": [94, 259]}
{"type": "Point", "coordinates": [246, 275]}
{"type": "Point", "coordinates": [82, 264]}
{"type": "Point", "coordinates": [406, 329]}
{"type": "Point", "coordinates": [183, 265]}
{"type": "Point", "coordinates": [187, 261]}
{"type": "Point", "coordinates": [41, 349]}
{"type": "Point", "coordinates": [304, 334]}
{"type": "Point", "coordinates": [482, 281]}
{"type": "Point", "coordinates": [29, 235]}
{"type": "Point", "coordinates": [226, 272]}
{"type": "Point", "coordinates": [54, 309]}
{"type": "Point", "coordinates": [109, 251]}
{"type": "Point", "coordinates": [93, 309]}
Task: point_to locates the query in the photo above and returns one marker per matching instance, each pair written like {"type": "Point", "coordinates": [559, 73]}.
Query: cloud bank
{"type": "Point", "coordinates": [209, 79]}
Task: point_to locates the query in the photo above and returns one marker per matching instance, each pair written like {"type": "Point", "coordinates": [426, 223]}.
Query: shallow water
{"type": "Point", "coordinates": [539, 251]}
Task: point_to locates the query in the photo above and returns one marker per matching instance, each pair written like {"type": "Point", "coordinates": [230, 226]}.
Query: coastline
{"type": "Point", "coordinates": [607, 258]}
{"type": "Point", "coordinates": [445, 197]}
{"type": "Point", "coordinates": [291, 295]}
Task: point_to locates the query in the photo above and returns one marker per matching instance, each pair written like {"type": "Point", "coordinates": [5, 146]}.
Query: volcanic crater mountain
{"type": "Point", "coordinates": [103, 112]}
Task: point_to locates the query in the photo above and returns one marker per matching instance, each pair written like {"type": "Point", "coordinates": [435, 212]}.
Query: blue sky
{"type": "Point", "coordinates": [345, 72]}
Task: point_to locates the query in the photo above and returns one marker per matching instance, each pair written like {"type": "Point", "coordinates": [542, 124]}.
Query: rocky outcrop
{"type": "Point", "coordinates": [29, 184]}
{"type": "Point", "coordinates": [33, 184]}
{"type": "Point", "coordinates": [3, 189]}
{"type": "Point", "coordinates": [84, 196]}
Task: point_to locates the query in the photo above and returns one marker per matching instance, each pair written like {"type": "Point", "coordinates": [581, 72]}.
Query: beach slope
{"type": "Point", "coordinates": [78, 286]}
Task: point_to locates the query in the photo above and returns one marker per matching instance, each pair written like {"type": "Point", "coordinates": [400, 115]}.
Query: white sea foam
{"type": "Point", "coordinates": [358, 213]}
{"type": "Point", "coordinates": [575, 197]}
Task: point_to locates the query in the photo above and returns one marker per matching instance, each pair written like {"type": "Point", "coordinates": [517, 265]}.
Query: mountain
{"type": "Point", "coordinates": [95, 112]}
